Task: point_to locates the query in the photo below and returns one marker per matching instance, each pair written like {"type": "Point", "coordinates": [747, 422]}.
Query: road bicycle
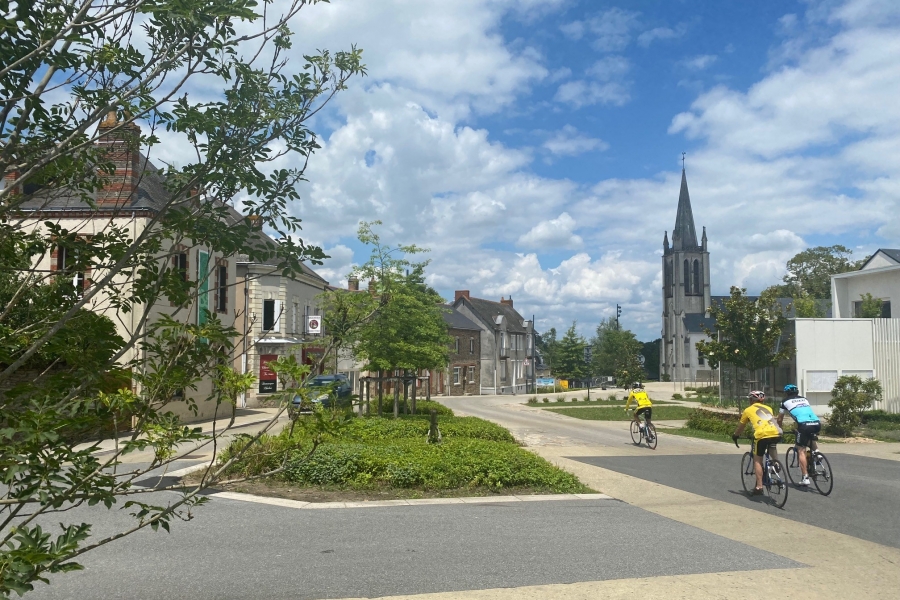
{"type": "Point", "coordinates": [817, 467]}
{"type": "Point", "coordinates": [774, 482]}
{"type": "Point", "coordinates": [647, 433]}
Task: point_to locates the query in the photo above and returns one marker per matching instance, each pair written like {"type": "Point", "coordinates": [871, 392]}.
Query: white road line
{"type": "Point", "coordinates": [283, 502]}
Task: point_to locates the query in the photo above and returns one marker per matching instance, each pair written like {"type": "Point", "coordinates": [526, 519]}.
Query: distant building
{"type": "Point", "coordinates": [686, 297]}
{"type": "Point", "coordinates": [276, 312]}
{"type": "Point", "coordinates": [462, 376]}
{"type": "Point", "coordinates": [507, 343]}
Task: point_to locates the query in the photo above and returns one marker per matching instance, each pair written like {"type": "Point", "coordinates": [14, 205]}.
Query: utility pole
{"type": "Point", "coordinates": [618, 314]}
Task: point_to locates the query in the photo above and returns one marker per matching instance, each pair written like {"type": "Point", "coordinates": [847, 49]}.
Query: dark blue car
{"type": "Point", "coordinates": [325, 388]}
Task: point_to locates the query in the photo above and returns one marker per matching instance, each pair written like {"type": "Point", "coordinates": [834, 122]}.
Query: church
{"type": "Point", "coordinates": [686, 298]}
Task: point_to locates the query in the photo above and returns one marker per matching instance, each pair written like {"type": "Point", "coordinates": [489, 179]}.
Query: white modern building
{"type": "Point", "coordinates": [848, 345]}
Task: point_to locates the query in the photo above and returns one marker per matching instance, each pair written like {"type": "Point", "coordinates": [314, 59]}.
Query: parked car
{"type": "Point", "coordinates": [325, 388]}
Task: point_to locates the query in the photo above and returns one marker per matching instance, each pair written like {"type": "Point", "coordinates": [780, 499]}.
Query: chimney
{"type": "Point", "coordinates": [121, 146]}
{"type": "Point", "coordinates": [255, 221]}
{"type": "Point", "coordinates": [508, 303]}
{"type": "Point", "coordinates": [461, 294]}
{"type": "Point", "coordinates": [353, 284]}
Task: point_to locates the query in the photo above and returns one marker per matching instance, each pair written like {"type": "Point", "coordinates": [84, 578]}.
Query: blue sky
{"type": "Point", "coordinates": [534, 145]}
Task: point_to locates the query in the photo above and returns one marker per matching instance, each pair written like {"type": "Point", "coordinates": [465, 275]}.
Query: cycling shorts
{"type": "Point", "coordinates": [647, 411]}
{"type": "Point", "coordinates": [760, 446]}
{"type": "Point", "coordinates": [806, 432]}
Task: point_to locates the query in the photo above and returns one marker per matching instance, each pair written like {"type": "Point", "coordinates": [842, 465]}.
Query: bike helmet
{"type": "Point", "coordinates": [757, 396]}
{"type": "Point", "coordinates": [791, 389]}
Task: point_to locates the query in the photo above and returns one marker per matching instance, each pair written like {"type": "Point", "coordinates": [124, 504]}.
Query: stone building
{"type": "Point", "coordinates": [507, 343]}
{"type": "Point", "coordinates": [281, 316]}
{"type": "Point", "coordinates": [463, 374]}
{"type": "Point", "coordinates": [686, 297]}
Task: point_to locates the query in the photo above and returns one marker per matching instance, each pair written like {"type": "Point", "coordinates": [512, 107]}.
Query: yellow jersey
{"type": "Point", "coordinates": [640, 397]}
{"type": "Point", "coordinates": [764, 424]}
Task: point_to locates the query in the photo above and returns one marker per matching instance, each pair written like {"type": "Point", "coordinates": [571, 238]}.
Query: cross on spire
{"type": "Point", "coordinates": [682, 161]}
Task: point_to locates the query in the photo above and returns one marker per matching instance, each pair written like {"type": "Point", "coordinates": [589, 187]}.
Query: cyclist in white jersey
{"type": "Point", "coordinates": [808, 424]}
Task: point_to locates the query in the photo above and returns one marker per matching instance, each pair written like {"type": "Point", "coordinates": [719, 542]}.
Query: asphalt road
{"type": "Point", "coordinates": [865, 502]}
{"type": "Point", "coordinates": [242, 550]}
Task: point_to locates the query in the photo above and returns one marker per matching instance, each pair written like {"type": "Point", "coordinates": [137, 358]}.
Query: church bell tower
{"type": "Point", "coordinates": [686, 291]}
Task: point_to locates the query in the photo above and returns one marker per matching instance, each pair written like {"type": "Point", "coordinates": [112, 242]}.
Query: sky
{"type": "Point", "coordinates": [535, 146]}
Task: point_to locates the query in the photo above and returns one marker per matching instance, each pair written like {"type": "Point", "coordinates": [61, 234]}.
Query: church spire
{"type": "Point", "coordinates": [666, 241]}
{"type": "Point", "coordinates": [685, 234]}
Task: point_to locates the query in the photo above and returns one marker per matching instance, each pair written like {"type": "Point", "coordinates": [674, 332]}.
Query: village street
{"type": "Point", "coordinates": [675, 525]}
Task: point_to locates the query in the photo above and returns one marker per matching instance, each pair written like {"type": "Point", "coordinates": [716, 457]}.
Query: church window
{"type": "Point", "coordinates": [668, 279]}
{"type": "Point", "coordinates": [687, 277]}
{"type": "Point", "coordinates": [696, 283]}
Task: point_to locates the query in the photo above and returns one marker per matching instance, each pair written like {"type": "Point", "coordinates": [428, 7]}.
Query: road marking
{"type": "Point", "coordinates": [299, 504]}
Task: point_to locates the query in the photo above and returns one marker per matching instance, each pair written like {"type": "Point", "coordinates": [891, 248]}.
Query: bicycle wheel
{"type": "Point", "coordinates": [777, 487]}
{"type": "Point", "coordinates": [635, 434]}
{"type": "Point", "coordinates": [748, 475]}
{"type": "Point", "coordinates": [651, 436]}
{"type": "Point", "coordinates": [820, 473]}
{"type": "Point", "coordinates": [792, 462]}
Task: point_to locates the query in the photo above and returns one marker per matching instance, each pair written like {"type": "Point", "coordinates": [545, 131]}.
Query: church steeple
{"type": "Point", "coordinates": [685, 234]}
{"type": "Point", "coordinates": [666, 242]}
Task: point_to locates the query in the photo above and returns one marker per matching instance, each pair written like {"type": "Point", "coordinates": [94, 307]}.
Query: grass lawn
{"type": "Point", "coordinates": [377, 457]}
{"type": "Point", "coordinates": [615, 403]}
{"type": "Point", "coordinates": [604, 413]}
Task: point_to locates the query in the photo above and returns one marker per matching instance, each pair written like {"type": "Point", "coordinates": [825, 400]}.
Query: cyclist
{"type": "Point", "coordinates": [766, 434]}
{"type": "Point", "coordinates": [807, 424]}
{"type": "Point", "coordinates": [644, 406]}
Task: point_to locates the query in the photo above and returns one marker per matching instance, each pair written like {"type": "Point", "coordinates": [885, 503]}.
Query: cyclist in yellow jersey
{"type": "Point", "coordinates": [644, 406]}
{"type": "Point", "coordinates": [766, 433]}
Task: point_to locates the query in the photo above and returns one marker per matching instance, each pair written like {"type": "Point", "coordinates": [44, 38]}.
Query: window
{"type": "Point", "coordinates": [271, 315]}
{"type": "Point", "coordinates": [67, 260]}
{"type": "Point", "coordinates": [221, 288]}
{"type": "Point", "coordinates": [668, 279]}
{"type": "Point", "coordinates": [471, 345]}
{"type": "Point", "coordinates": [471, 372]}
{"type": "Point", "coordinates": [885, 309]}
{"type": "Point", "coordinates": [180, 264]}
{"type": "Point", "coordinates": [503, 373]}
{"type": "Point", "coordinates": [457, 375]}
{"type": "Point", "coordinates": [700, 359]}
{"type": "Point", "coordinates": [456, 344]}
{"type": "Point", "coordinates": [697, 278]}
{"type": "Point", "coordinates": [687, 277]}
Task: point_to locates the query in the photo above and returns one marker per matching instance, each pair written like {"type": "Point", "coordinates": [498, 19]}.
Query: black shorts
{"type": "Point", "coordinates": [762, 445]}
{"type": "Point", "coordinates": [647, 410]}
{"type": "Point", "coordinates": [806, 432]}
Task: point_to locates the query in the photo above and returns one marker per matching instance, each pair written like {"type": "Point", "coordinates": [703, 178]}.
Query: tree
{"type": "Point", "coordinates": [570, 356]}
{"type": "Point", "coordinates": [807, 307]}
{"type": "Point", "coordinates": [849, 397]}
{"type": "Point", "coordinates": [547, 346]}
{"type": "Point", "coordinates": [810, 271]}
{"type": "Point", "coordinates": [74, 74]}
{"type": "Point", "coordinates": [748, 333]}
{"type": "Point", "coordinates": [616, 353]}
{"type": "Point", "coordinates": [870, 307]}
{"type": "Point", "coordinates": [650, 352]}
{"type": "Point", "coordinates": [407, 330]}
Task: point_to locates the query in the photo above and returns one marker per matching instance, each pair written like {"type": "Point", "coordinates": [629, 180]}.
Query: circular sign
{"type": "Point", "coordinates": [313, 324]}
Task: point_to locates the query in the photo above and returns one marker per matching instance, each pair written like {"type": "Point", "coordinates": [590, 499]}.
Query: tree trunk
{"type": "Point", "coordinates": [415, 383]}
{"type": "Point", "coordinates": [396, 398]}
{"type": "Point", "coordinates": [380, 390]}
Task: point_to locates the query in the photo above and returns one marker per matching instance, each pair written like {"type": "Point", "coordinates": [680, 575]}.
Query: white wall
{"type": "Point", "coordinates": [829, 348]}
{"type": "Point", "coordinates": [882, 283]}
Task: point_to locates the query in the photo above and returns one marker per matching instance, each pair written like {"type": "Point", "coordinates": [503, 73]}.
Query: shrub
{"type": "Point", "coordinates": [677, 396]}
{"type": "Point", "coordinates": [849, 398]}
{"type": "Point", "coordinates": [423, 407]}
{"type": "Point", "coordinates": [546, 399]}
{"type": "Point", "coordinates": [723, 424]}
{"type": "Point", "coordinates": [871, 417]}
{"type": "Point", "coordinates": [533, 400]}
{"type": "Point", "coordinates": [612, 398]}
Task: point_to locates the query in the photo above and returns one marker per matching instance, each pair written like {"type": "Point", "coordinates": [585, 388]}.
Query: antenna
{"type": "Point", "coordinates": [682, 161]}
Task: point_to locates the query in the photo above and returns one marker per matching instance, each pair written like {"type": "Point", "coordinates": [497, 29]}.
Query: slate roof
{"type": "Point", "coordinates": [488, 310]}
{"type": "Point", "coordinates": [457, 320]}
{"type": "Point", "coordinates": [263, 238]}
{"type": "Point", "coordinates": [684, 231]}
{"type": "Point", "coordinates": [151, 194]}
{"type": "Point", "coordinates": [892, 253]}
{"type": "Point", "coordinates": [694, 323]}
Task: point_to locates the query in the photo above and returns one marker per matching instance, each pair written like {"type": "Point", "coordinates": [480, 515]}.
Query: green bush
{"type": "Point", "coordinates": [850, 397]}
{"type": "Point", "coordinates": [546, 399]}
{"type": "Point", "coordinates": [677, 396]}
{"type": "Point", "coordinates": [872, 417]}
{"type": "Point", "coordinates": [423, 407]}
{"type": "Point", "coordinates": [533, 400]}
{"type": "Point", "coordinates": [723, 424]}
{"type": "Point", "coordinates": [461, 463]}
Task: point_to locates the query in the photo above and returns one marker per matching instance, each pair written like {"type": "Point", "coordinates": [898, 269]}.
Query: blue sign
{"type": "Point", "coordinates": [545, 381]}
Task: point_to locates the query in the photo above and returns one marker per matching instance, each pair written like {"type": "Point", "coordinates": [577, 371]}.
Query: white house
{"type": "Point", "coordinates": [848, 345]}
